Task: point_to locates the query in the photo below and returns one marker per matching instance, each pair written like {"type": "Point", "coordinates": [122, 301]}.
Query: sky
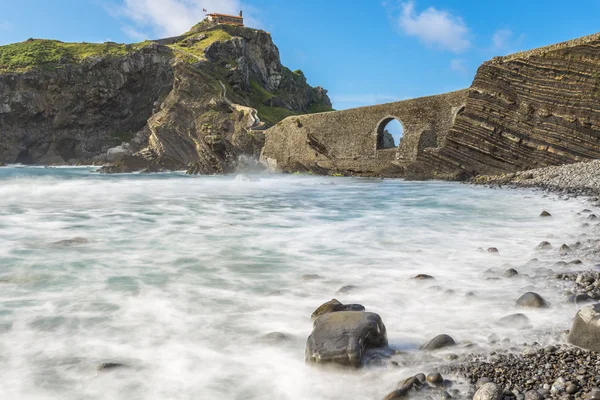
{"type": "Point", "coordinates": [362, 51]}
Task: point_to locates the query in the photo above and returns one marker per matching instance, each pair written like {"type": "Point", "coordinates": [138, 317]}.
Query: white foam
{"type": "Point", "coordinates": [176, 276]}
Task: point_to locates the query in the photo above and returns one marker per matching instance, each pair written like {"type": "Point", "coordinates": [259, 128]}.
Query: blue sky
{"type": "Point", "coordinates": [362, 51]}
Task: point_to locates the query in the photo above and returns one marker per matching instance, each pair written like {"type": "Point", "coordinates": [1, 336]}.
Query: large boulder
{"type": "Point", "coordinates": [585, 332]}
{"type": "Point", "coordinates": [439, 342]}
{"type": "Point", "coordinates": [342, 337]}
{"type": "Point", "coordinates": [335, 306]}
{"type": "Point", "coordinates": [532, 300]}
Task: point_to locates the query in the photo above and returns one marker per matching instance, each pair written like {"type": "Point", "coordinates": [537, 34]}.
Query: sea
{"type": "Point", "coordinates": [171, 282]}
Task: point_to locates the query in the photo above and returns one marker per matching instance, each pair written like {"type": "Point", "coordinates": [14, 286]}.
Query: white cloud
{"type": "Point", "coordinates": [435, 27]}
{"type": "Point", "coordinates": [504, 41]}
{"type": "Point", "coordinates": [135, 34]}
{"type": "Point", "coordinates": [458, 65]}
{"type": "Point", "coordinates": [166, 18]}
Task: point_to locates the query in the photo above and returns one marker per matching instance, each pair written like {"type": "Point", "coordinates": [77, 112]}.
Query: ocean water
{"type": "Point", "coordinates": [180, 277]}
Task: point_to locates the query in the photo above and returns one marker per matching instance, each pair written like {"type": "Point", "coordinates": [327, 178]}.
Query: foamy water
{"type": "Point", "coordinates": [179, 277]}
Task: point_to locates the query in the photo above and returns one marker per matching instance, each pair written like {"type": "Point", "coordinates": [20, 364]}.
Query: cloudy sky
{"type": "Point", "coordinates": [362, 51]}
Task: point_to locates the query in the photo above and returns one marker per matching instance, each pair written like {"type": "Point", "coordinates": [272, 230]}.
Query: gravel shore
{"type": "Point", "coordinates": [580, 179]}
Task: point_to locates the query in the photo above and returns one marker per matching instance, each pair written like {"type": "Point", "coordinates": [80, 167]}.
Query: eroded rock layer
{"type": "Point", "coordinates": [527, 110]}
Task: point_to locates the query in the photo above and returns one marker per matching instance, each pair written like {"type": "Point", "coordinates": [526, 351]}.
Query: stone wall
{"type": "Point", "coordinates": [346, 141]}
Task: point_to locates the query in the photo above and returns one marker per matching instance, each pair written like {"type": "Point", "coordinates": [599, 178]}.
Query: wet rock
{"type": "Point", "coordinates": [310, 277]}
{"type": "Point", "coordinates": [421, 377]}
{"type": "Point", "coordinates": [435, 379]}
{"type": "Point", "coordinates": [71, 242]}
{"type": "Point", "coordinates": [580, 298]}
{"type": "Point", "coordinates": [275, 338]}
{"type": "Point", "coordinates": [335, 306]}
{"type": "Point", "coordinates": [493, 250]}
{"type": "Point", "coordinates": [544, 246]}
{"type": "Point", "coordinates": [585, 331]}
{"type": "Point", "coordinates": [518, 321]}
{"type": "Point", "coordinates": [439, 342]}
{"type": "Point", "coordinates": [509, 273]}
{"type": "Point", "coordinates": [342, 337]}
{"type": "Point", "coordinates": [109, 366]}
{"type": "Point", "coordinates": [545, 214]}
{"type": "Point", "coordinates": [532, 300]}
{"type": "Point", "coordinates": [564, 248]}
{"type": "Point", "coordinates": [489, 391]}
{"type": "Point", "coordinates": [592, 217]}
{"type": "Point", "coordinates": [572, 389]}
{"type": "Point", "coordinates": [424, 277]}
{"type": "Point", "coordinates": [575, 262]}
{"type": "Point", "coordinates": [347, 289]}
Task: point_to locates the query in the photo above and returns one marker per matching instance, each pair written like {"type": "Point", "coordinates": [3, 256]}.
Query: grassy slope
{"type": "Point", "coordinates": [51, 54]}
{"type": "Point", "coordinates": [20, 57]}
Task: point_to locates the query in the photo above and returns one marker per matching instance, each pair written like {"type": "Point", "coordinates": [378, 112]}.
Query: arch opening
{"type": "Point", "coordinates": [24, 157]}
{"type": "Point", "coordinates": [389, 133]}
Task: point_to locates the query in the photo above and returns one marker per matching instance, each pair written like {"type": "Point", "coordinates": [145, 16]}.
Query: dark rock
{"type": "Point", "coordinates": [564, 248]}
{"type": "Point", "coordinates": [439, 342]}
{"type": "Point", "coordinates": [544, 246]}
{"type": "Point", "coordinates": [585, 331]}
{"type": "Point", "coordinates": [572, 389]}
{"type": "Point", "coordinates": [421, 377]}
{"type": "Point", "coordinates": [509, 273]}
{"type": "Point", "coordinates": [532, 300]}
{"type": "Point", "coordinates": [275, 338]}
{"type": "Point", "coordinates": [347, 289]}
{"type": "Point", "coordinates": [493, 250]}
{"type": "Point", "coordinates": [424, 277]}
{"type": "Point", "coordinates": [335, 306]}
{"type": "Point", "coordinates": [580, 299]}
{"type": "Point", "coordinates": [518, 321]}
{"type": "Point", "coordinates": [109, 366]}
{"type": "Point", "coordinates": [545, 214]}
{"type": "Point", "coordinates": [435, 379]}
{"type": "Point", "coordinates": [342, 337]}
{"type": "Point", "coordinates": [489, 391]}
{"type": "Point", "coordinates": [592, 217]}
{"type": "Point", "coordinates": [575, 262]}
{"type": "Point", "coordinates": [71, 242]}
{"type": "Point", "coordinates": [310, 277]}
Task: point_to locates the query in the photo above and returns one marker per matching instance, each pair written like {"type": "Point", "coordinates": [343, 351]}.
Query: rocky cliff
{"type": "Point", "coordinates": [200, 100]}
{"type": "Point", "coordinates": [527, 110]}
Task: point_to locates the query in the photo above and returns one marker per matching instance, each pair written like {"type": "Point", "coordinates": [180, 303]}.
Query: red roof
{"type": "Point", "coordinates": [225, 15]}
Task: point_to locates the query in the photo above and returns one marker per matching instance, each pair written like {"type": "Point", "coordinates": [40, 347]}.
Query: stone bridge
{"type": "Point", "coordinates": [350, 141]}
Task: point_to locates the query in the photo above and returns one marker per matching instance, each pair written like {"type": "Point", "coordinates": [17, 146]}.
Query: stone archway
{"type": "Point", "coordinates": [390, 131]}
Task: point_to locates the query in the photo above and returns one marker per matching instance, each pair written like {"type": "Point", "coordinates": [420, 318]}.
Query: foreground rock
{"type": "Point", "coordinates": [342, 337]}
{"type": "Point", "coordinates": [439, 342]}
{"type": "Point", "coordinates": [489, 391]}
{"type": "Point", "coordinates": [532, 300]}
{"type": "Point", "coordinates": [335, 306]}
{"type": "Point", "coordinates": [585, 332]}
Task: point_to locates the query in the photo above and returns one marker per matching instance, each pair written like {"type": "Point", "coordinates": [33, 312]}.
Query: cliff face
{"type": "Point", "coordinates": [531, 109]}
{"type": "Point", "coordinates": [200, 99]}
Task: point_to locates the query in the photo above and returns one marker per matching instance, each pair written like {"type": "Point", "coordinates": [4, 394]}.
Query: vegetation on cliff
{"type": "Point", "coordinates": [19, 57]}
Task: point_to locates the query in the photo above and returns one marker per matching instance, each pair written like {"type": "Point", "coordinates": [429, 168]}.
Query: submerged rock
{"type": "Point", "coordinates": [518, 321]}
{"type": "Point", "coordinates": [545, 214]}
{"type": "Point", "coordinates": [532, 300]}
{"type": "Point", "coordinates": [544, 246]}
{"type": "Point", "coordinates": [342, 337]}
{"type": "Point", "coordinates": [347, 289]}
{"type": "Point", "coordinates": [439, 342]}
{"type": "Point", "coordinates": [585, 332]}
{"type": "Point", "coordinates": [110, 366]}
{"type": "Point", "coordinates": [335, 306]}
{"type": "Point", "coordinates": [509, 273]}
{"type": "Point", "coordinates": [424, 277]}
{"type": "Point", "coordinates": [70, 242]}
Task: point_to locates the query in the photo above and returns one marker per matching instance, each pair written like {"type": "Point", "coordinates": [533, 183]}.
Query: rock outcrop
{"type": "Point", "coordinates": [197, 101]}
{"type": "Point", "coordinates": [527, 110]}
